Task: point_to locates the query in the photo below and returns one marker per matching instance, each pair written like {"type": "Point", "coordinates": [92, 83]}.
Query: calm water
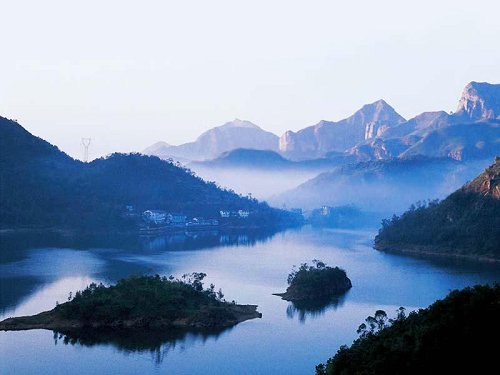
{"type": "Point", "coordinates": [289, 339]}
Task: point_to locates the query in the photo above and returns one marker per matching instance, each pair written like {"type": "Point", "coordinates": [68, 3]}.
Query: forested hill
{"type": "Point", "coordinates": [466, 223]}
{"type": "Point", "coordinates": [448, 337]}
{"type": "Point", "coordinates": [42, 186]}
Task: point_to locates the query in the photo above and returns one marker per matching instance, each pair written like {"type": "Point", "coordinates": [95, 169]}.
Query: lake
{"type": "Point", "coordinates": [37, 271]}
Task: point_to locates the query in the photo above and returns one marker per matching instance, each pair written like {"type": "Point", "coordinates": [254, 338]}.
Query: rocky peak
{"type": "Point", "coordinates": [237, 123]}
{"type": "Point", "coordinates": [377, 117]}
{"type": "Point", "coordinates": [379, 111]}
{"type": "Point", "coordinates": [488, 182]}
{"type": "Point", "coordinates": [480, 100]}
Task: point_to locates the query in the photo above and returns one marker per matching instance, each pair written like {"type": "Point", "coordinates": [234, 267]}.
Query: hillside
{"type": "Point", "coordinates": [381, 185]}
{"type": "Point", "coordinates": [448, 337]}
{"type": "Point", "coordinates": [465, 224]}
{"type": "Point", "coordinates": [460, 142]}
{"type": "Point", "coordinates": [248, 158]}
{"type": "Point", "coordinates": [42, 186]}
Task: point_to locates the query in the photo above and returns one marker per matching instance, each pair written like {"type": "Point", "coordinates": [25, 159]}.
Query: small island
{"type": "Point", "coordinates": [146, 302]}
{"type": "Point", "coordinates": [316, 281]}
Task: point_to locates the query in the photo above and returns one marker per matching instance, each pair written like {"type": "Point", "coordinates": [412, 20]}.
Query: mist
{"type": "Point", "coordinates": [389, 192]}
{"type": "Point", "coordinates": [261, 184]}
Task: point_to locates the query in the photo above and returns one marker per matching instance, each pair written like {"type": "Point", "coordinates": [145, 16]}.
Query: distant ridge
{"type": "Point", "coordinates": [327, 136]}
{"type": "Point", "coordinates": [374, 132]}
{"type": "Point", "coordinates": [229, 136]}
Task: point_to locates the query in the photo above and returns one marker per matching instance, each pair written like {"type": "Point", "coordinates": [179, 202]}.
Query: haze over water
{"type": "Point", "coordinates": [249, 268]}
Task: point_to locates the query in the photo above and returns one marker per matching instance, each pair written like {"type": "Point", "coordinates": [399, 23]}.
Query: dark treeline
{"type": "Point", "coordinates": [144, 297]}
{"type": "Point", "coordinates": [42, 186]}
{"type": "Point", "coordinates": [317, 281]}
{"type": "Point", "coordinates": [449, 337]}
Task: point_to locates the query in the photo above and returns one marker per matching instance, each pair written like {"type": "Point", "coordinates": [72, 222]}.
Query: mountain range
{"type": "Point", "coordinates": [374, 132]}
{"type": "Point", "coordinates": [327, 136]}
{"type": "Point", "coordinates": [389, 185]}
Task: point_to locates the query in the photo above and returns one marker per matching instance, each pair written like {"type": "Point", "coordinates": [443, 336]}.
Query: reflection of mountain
{"type": "Point", "coordinates": [313, 308]}
{"type": "Point", "coordinates": [159, 343]}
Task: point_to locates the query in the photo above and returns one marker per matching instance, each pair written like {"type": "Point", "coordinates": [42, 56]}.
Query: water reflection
{"type": "Point", "coordinates": [13, 246]}
{"type": "Point", "coordinates": [314, 308]}
{"type": "Point", "coordinates": [157, 342]}
{"type": "Point", "coordinates": [32, 261]}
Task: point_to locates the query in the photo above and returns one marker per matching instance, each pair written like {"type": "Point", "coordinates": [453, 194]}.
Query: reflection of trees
{"type": "Point", "coordinates": [157, 342]}
{"type": "Point", "coordinates": [203, 239]}
{"type": "Point", "coordinates": [313, 308]}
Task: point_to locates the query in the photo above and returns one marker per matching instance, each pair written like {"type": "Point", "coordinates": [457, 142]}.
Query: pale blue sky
{"type": "Point", "coordinates": [129, 73]}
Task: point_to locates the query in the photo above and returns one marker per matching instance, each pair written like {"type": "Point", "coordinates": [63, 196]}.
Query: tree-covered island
{"type": "Point", "coordinates": [315, 281]}
{"type": "Point", "coordinates": [150, 302]}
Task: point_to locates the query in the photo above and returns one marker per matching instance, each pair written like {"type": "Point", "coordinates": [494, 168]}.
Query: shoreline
{"type": "Point", "coordinates": [422, 251]}
{"type": "Point", "coordinates": [51, 321]}
{"type": "Point", "coordinates": [138, 233]}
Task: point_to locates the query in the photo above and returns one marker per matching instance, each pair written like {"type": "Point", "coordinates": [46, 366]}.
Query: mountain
{"type": "Point", "coordinates": [472, 132]}
{"type": "Point", "coordinates": [465, 224]}
{"type": "Point", "coordinates": [247, 158]}
{"type": "Point", "coordinates": [380, 185]}
{"type": "Point", "coordinates": [41, 186]}
{"type": "Point", "coordinates": [460, 142]}
{"type": "Point", "coordinates": [424, 122]}
{"type": "Point", "coordinates": [479, 101]}
{"type": "Point", "coordinates": [270, 160]}
{"type": "Point", "coordinates": [232, 135]}
{"type": "Point", "coordinates": [326, 136]}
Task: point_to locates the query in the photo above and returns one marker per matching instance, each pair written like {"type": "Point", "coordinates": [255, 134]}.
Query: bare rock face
{"type": "Point", "coordinates": [480, 101]}
{"type": "Point", "coordinates": [209, 145]}
{"type": "Point", "coordinates": [327, 136]}
{"type": "Point", "coordinates": [488, 182]}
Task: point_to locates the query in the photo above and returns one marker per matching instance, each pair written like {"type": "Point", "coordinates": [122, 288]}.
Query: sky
{"type": "Point", "coordinates": [130, 73]}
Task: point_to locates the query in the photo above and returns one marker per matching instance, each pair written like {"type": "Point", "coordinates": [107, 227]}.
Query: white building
{"type": "Point", "coordinates": [155, 216]}
{"type": "Point", "coordinates": [243, 213]}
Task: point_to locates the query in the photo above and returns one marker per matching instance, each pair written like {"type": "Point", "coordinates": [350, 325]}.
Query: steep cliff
{"type": "Point", "coordinates": [326, 136]}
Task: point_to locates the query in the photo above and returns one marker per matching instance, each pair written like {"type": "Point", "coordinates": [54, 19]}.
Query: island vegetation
{"type": "Point", "coordinates": [151, 302]}
{"type": "Point", "coordinates": [465, 224]}
{"type": "Point", "coordinates": [316, 281]}
{"type": "Point", "coordinates": [448, 337]}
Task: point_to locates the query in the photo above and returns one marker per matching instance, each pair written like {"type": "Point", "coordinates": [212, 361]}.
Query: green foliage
{"type": "Point", "coordinates": [448, 337]}
{"type": "Point", "coordinates": [315, 276]}
{"type": "Point", "coordinates": [42, 186]}
{"type": "Point", "coordinates": [464, 223]}
{"type": "Point", "coordinates": [145, 297]}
